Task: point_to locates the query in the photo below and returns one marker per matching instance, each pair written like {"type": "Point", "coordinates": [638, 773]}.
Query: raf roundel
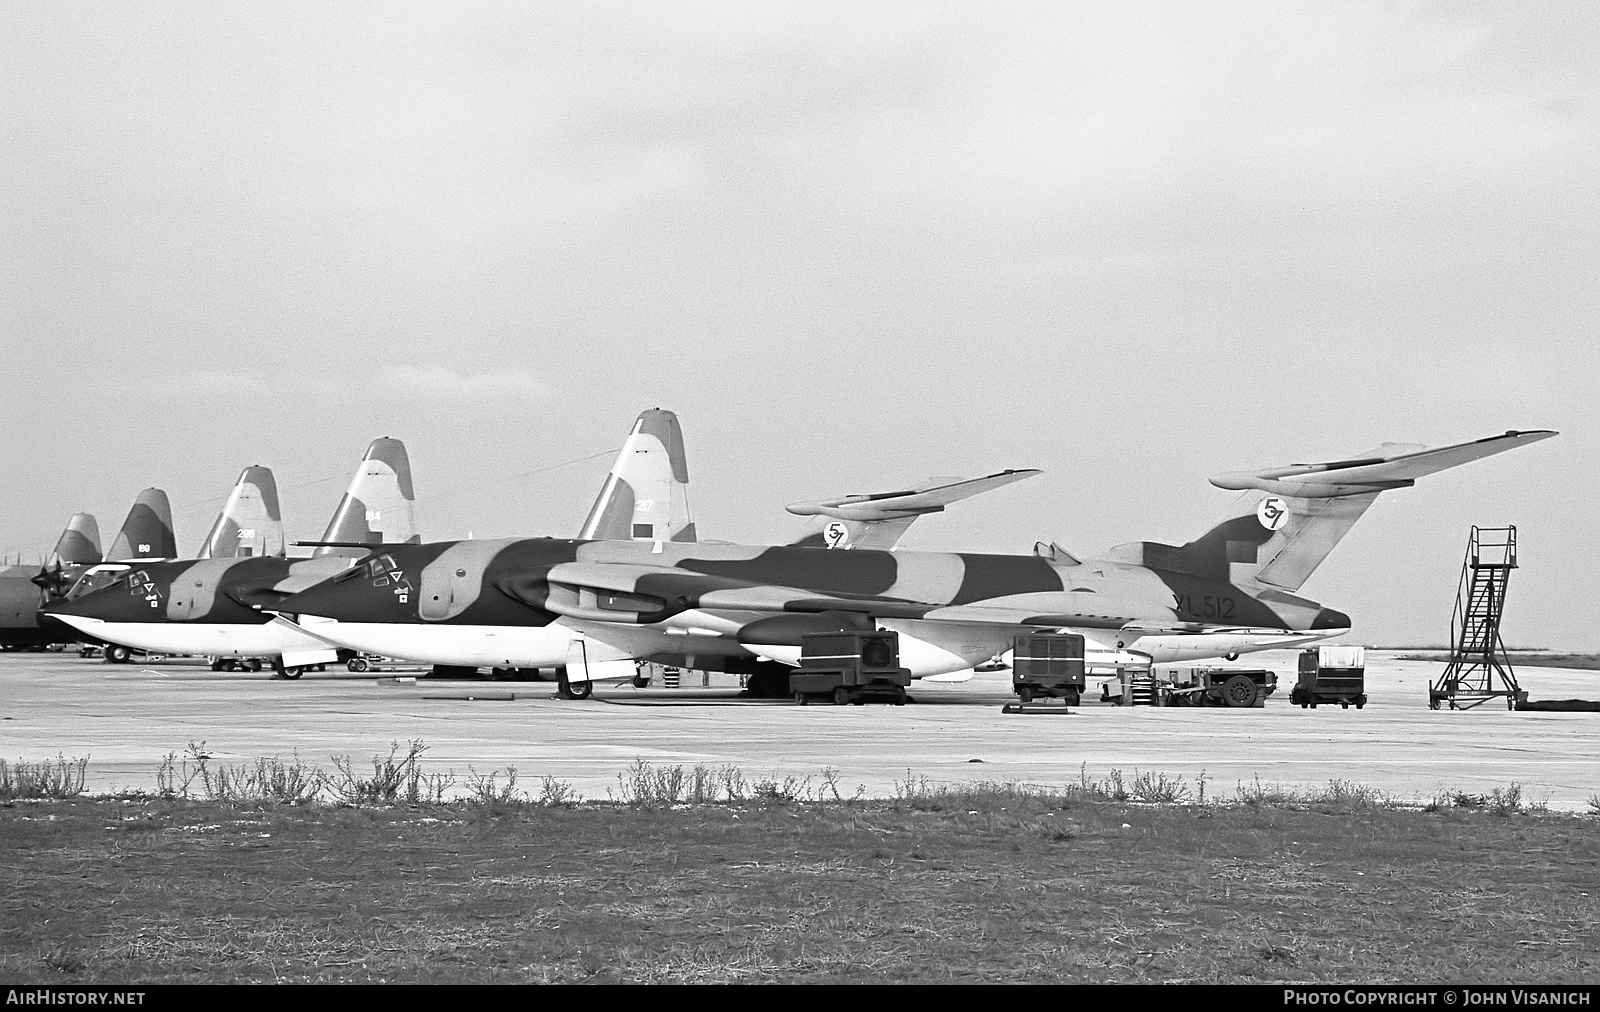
{"type": "Point", "coordinates": [1272, 512]}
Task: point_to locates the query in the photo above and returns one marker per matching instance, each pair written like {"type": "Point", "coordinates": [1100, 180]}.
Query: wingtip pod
{"type": "Point", "coordinates": [250, 523]}
{"type": "Point", "coordinates": [377, 507]}
{"type": "Point", "coordinates": [147, 531]}
{"type": "Point", "coordinates": [79, 543]}
{"type": "Point", "coordinates": [1393, 465]}
{"type": "Point", "coordinates": [646, 495]}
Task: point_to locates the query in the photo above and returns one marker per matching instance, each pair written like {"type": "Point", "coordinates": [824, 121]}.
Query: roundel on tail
{"type": "Point", "coordinates": [1272, 512]}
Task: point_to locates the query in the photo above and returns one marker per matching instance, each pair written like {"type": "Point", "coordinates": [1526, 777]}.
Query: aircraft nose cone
{"type": "Point", "coordinates": [85, 606]}
{"type": "Point", "coordinates": [1327, 618]}
{"type": "Point", "coordinates": [55, 626]}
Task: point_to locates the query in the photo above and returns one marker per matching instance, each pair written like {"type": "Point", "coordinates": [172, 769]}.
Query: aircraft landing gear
{"type": "Point", "coordinates": [567, 689]}
{"type": "Point", "coordinates": [117, 654]}
{"type": "Point", "coordinates": [282, 671]}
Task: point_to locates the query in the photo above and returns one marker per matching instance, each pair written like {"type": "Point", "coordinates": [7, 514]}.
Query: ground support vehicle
{"type": "Point", "coordinates": [235, 664]}
{"type": "Point", "coordinates": [1232, 687]}
{"type": "Point", "coordinates": [1235, 687]}
{"type": "Point", "coordinates": [1048, 665]}
{"type": "Point", "coordinates": [1331, 675]}
{"type": "Point", "coordinates": [1134, 685]}
{"type": "Point", "coordinates": [851, 667]}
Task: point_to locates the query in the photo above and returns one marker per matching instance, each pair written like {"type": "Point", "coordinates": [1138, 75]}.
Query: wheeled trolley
{"type": "Point", "coordinates": [1048, 665]}
{"type": "Point", "coordinates": [851, 667]}
{"type": "Point", "coordinates": [1331, 675]}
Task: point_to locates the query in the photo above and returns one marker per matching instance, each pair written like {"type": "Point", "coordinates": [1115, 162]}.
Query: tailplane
{"type": "Point", "coordinates": [250, 524]}
{"type": "Point", "coordinates": [1291, 517]}
{"type": "Point", "coordinates": [147, 532]}
{"type": "Point", "coordinates": [377, 508]}
{"type": "Point", "coordinates": [879, 519]}
{"type": "Point", "coordinates": [646, 495]}
{"type": "Point", "coordinates": [79, 544]}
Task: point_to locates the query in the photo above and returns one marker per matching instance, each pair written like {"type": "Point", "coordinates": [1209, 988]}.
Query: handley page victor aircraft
{"type": "Point", "coordinates": [596, 606]}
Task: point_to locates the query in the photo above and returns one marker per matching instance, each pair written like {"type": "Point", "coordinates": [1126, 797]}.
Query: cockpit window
{"type": "Point", "coordinates": [378, 565]}
{"type": "Point", "coordinates": [96, 579]}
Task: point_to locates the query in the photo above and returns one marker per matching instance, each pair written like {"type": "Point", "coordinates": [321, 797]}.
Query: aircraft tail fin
{"type": "Point", "coordinates": [880, 519]}
{"type": "Point", "coordinates": [79, 543]}
{"type": "Point", "coordinates": [250, 523]}
{"type": "Point", "coordinates": [646, 495]}
{"type": "Point", "coordinates": [147, 531]}
{"type": "Point", "coordinates": [378, 507]}
{"type": "Point", "coordinates": [1291, 517]}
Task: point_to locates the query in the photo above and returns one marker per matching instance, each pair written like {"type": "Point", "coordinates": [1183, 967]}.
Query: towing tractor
{"type": "Point", "coordinates": [1048, 664]}
{"type": "Point", "coordinates": [850, 667]}
{"type": "Point", "coordinates": [1335, 674]}
{"type": "Point", "coordinates": [1233, 687]}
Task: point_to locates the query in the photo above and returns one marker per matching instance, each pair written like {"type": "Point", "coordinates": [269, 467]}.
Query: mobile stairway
{"type": "Point", "coordinates": [1479, 669]}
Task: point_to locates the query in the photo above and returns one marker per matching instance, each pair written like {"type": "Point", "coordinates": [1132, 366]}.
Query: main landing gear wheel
{"type": "Point", "coordinates": [568, 689]}
{"type": "Point", "coordinates": [282, 671]}
{"type": "Point", "coordinates": [116, 654]}
{"type": "Point", "coordinates": [357, 664]}
{"type": "Point", "coordinates": [1239, 691]}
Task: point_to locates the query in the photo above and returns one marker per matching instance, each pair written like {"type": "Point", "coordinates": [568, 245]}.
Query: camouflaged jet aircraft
{"type": "Point", "coordinates": [214, 605]}
{"type": "Point", "coordinates": [595, 607]}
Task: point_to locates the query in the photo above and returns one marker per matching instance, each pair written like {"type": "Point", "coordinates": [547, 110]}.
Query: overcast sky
{"type": "Point", "coordinates": [850, 244]}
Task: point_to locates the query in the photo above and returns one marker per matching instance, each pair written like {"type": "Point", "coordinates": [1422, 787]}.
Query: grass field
{"type": "Point", "coordinates": [966, 885]}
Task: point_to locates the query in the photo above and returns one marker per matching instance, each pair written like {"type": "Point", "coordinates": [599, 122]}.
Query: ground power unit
{"type": "Point", "coordinates": [850, 667]}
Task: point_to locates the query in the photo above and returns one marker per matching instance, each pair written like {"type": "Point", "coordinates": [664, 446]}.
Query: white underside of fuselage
{"type": "Point", "coordinates": [1170, 648]}
{"type": "Point", "coordinates": [211, 639]}
{"type": "Point", "coordinates": [927, 649]}
{"type": "Point", "coordinates": [474, 646]}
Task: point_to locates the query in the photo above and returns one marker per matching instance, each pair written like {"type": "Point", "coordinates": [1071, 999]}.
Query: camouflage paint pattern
{"type": "Point", "coordinates": [234, 589]}
{"type": "Point", "coordinates": [250, 523]}
{"type": "Point", "coordinates": [24, 590]}
{"type": "Point", "coordinates": [1168, 602]}
{"type": "Point", "coordinates": [79, 544]}
{"type": "Point", "coordinates": [378, 507]}
{"type": "Point", "coordinates": [147, 531]}
{"type": "Point", "coordinates": [646, 495]}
